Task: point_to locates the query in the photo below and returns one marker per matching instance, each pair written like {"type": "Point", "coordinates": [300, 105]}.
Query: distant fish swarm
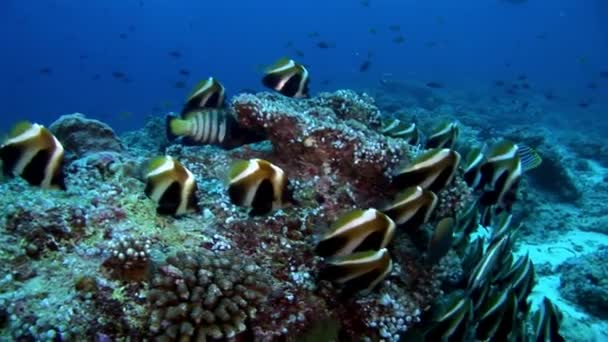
{"type": "Point", "coordinates": [34, 153]}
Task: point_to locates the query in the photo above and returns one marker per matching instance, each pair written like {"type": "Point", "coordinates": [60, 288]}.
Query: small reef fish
{"type": "Point", "coordinates": [356, 231]}
{"type": "Point", "coordinates": [466, 222]}
{"type": "Point", "coordinates": [400, 39]}
{"type": "Point", "coordinates": [472, 167]}
{"type": "Point", "coordinates": [325, 45]}
{"type": "Point", "coordinates": [441, 241]}
{"type": "Point", "coordinates": [395, 128]}
{"type": "Point", "coordinates": [432, 170]}
{"type": "Point", "coordinates": [172, 186]}
{"type": "Point", "coordinates": [451, 318]}
{"type": "Point", "coordinates": [502, 170]}
{"type": "Point", "coordinates": [444, 136]}
{"type": "Point", "coordinates": [259, 185]}
{"type": "Point", "coordinates": [209, 126]}
{"type": "Point", "coordinates": [365, 65]}
{"type": "Point", "coordinates": [209, 93]}
{"type": "Point", "coordinates": [490, 314]}
{"type": "Point", "coordinates": [34, 153]}
{"type": "Point", "coordinates": [360, 271]}
{"type": "Point", "coordinates": [45, 71]}
{"type": "Point", "coordinates": [484, 268]}
{"type": "Point", "coordinates": [546, 322]}
{"type": "Point", "coordinates": [288, 78]}
{"type": "Point", "coordinates": [434, 85]}
{"type": "Point", "coordinates": [412, 208]}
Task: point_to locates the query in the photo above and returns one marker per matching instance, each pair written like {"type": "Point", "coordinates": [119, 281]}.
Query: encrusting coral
{"type": "Point", "coordinates": [206, 295]}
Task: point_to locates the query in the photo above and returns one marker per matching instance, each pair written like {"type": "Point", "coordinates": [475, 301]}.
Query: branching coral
{"type": "Point", "coordinates": [129, 259]}
{"type": "Point", "coordinates": [193, 297]}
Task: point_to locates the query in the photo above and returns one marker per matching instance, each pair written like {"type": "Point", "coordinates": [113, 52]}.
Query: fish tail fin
{"type": "Point", "coordinates": [176, 127]}
{"type": "Point", "coordinates": [530, 159]}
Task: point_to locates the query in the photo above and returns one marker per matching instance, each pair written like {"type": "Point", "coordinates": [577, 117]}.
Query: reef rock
{"type": "Point", "coordinates": [332, 131]}
{"type": "Point", "coordinates": [80, 135]}
{"type": "Point", "coordinates": [584, 280]}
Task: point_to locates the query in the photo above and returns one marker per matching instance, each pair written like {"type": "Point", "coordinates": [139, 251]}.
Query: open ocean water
{"type": "Point", "coordinates": [348, 170]}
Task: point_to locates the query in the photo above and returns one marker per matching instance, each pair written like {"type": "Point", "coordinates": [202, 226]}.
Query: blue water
{"type": "Point", "coordinates": [559, 44]}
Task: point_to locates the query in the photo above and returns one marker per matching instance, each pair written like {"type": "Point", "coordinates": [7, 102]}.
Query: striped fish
{"type": "Point", "coordinates": [34, 153]}
{"type": "Point", "coordinates": [210, 127]}
{"type": "Point", "coordinates": [209, 93]}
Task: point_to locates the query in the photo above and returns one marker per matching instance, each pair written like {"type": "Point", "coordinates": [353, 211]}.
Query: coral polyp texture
{"type": "Point", "coordinates": [206, 295]}
{"type": "Point", "coordinates": [98, 262]}
{"type": "Point", "coordinates": [335, 130]}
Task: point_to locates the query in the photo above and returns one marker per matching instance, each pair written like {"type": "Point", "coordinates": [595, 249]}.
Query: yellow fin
{"type": "Point", "coordinates": [20, 128]}
{"type": "Point", "coordinates": [179, 127]}
{"type": "Point", "coordinates": [236, 168]}
{"type": "Point", "coordinates": [278, 64]}
{"type": "Point", "coordinates": [204, 83]}
{"type": "Point", "coordinates": [346, 218]}
{"type": "Point", "coordinates": [530, 159]}
{"type": "Point", "coordinates": [156, 162]}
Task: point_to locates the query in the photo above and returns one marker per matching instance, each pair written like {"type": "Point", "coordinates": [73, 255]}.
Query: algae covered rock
{"type": "Point", "coordinates": [80, 135]}
{"type": "Point", "coordinates": [333, 131]}
{"type": "Point", "coordinates": [584, 280]}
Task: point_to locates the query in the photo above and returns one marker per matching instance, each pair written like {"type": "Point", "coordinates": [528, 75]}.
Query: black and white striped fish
{"type": "Point", "coordinates": [34, 153]}
{"type": "Point", "coordinates": [210, 127]}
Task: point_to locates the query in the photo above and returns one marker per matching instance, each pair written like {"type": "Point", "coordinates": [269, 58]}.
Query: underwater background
{"type": "Point", "coordinates": [60, 55]}
{"type": "Point", "coordinates": [440, 172]}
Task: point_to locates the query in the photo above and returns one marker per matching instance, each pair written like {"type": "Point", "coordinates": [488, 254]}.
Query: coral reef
{"type": "Point", "coordinates": [209, 294]}
{"type": "Point", "coordinates": [80, 135]}
{"type": "Point", "coordinates": [331, 131]}
{"type": "Point", "coordinates": [97, 262]}
{"type": "Point", "coordinates": [584, 280]}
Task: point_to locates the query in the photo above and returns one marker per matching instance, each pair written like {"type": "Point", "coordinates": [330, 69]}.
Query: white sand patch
{"type": "Point", "coordinates": [577, 324]}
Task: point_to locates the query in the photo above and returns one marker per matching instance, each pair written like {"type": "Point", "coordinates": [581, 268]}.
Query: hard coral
{"type": "Point", "coordinates": [454, 198]}
{"type": "Point", "coordinates": [330, 131]}
{"type": "Point", "coordinates": [129, 259]}
{"type": "Point", "coordinates": [209, 294]}
{"type": "Point", "coordinates": [81, 136]}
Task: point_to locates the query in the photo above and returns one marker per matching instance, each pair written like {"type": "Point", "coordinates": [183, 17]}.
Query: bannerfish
{"type": "Point", "coordinates": [210, 126]}
{"type": "Point", "coordinates": [358, 272]}
{"type": "Point", "coordinates": [259, 185]}
{"type": "Point", "coordinates": [444, 135]}
{"type": "Point", "coordinates": [172, 186]}
{"type": "Point", "coordinates": [432, 170]}
{"type": "Point", "coordinates": [34, 153]}
{"type": "Point", "coordinates": [209, 93]}
{"type": "Point", "coordinates": [288, 78]}
{"type": "Point", "coordinates": [356, 231]}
